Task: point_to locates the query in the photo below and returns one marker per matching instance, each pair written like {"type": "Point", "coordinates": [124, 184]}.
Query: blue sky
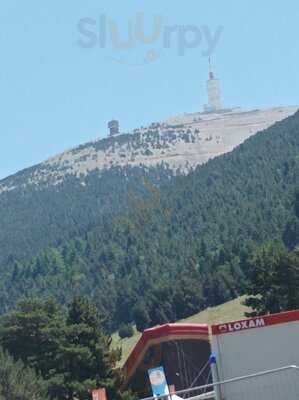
{"type": "Point", "coordinates": [55, 94]}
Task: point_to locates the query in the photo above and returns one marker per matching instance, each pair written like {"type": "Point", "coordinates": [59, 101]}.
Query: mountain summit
{"type": "Point", "coordinates": [180, 143]}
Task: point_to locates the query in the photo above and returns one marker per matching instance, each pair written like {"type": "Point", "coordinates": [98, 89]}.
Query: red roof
{"type": "Point", "coordinates": [163, 333]}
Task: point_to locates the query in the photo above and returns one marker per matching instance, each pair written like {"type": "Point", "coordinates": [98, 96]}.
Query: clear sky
{"type": "Point", "coordinates": [66, 69]}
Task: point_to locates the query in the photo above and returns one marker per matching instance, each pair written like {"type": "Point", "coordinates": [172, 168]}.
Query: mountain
{"type": "Point", "coordinates": [179, 247]}
{"type": "Point", "coordinates": [69, 194]}
{"type": "Point", "coordinates": [181, 142]}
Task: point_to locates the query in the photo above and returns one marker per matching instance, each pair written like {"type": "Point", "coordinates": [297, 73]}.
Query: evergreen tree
{"type": "Point", "coordinates": [291, 232]}
{"type": "Point", "coordinates": [125, 331]}
{"type": "Point", "coordinates": [141, 317]}
{"type": "Point", "coordinates": [18, 382]}
{"type": "Point", "coordinates": [71, 351]}
{"type": "Point", "coordinates": [31, 333]}
{"type": "Point", "coordinates": [274, 280]}
{"type": "Point", "coordinates": [85, 358]}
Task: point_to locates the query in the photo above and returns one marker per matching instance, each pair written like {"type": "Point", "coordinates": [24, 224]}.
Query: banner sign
{"type": "Point", "coordinates": [256, 322]}
{"type": "Point", "coordinates": [158, 381]}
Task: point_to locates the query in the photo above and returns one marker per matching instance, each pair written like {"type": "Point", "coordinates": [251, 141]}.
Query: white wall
{"type": "Point", "coordinates": [253, 350]}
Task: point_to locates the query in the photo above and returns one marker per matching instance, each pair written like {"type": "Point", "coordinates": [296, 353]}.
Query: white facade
{"type": "Point", "coordinates": [254, 345]}
{"type": "Point", "coordinates": [213, 88]}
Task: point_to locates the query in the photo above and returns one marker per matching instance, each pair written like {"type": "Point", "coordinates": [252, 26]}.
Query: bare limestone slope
{"type": "Point", "coordinates": [181, 142]}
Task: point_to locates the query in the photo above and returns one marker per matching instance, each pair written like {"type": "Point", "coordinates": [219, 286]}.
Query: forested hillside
{"type": "Point", "coordinates": [180, 248]}
{"type": "Point", "coordinates": [65, 196]}
{"type": "Point", "coordinates": [36, 216]}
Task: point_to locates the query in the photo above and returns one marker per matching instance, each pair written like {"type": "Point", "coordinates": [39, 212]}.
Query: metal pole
{"type": "Point", "coordinates": [215, 375]}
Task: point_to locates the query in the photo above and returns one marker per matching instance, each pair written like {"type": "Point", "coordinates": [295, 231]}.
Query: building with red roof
{"type": "Point", "coordinates": [183, 350]}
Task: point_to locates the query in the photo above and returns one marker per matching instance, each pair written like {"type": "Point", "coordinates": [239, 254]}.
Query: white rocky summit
{"type": "Point", "coordinates": [181, 142]}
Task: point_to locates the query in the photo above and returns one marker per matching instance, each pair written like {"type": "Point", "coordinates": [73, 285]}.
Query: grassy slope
{"type": "Point", "coordinates": [230, 311]}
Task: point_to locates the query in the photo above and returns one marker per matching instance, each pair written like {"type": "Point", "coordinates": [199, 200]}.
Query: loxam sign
{"type": "Point", "coordinates": [257, 322]}
{"type": "Point", "coordinates": [239, 326]}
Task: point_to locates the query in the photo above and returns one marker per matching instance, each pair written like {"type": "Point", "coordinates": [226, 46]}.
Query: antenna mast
{"type": "Point", "coordinates": [211, 73]}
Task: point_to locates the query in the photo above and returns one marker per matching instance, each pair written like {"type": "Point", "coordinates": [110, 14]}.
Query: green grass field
{"type": "Point", "coordinates": [230, 311]}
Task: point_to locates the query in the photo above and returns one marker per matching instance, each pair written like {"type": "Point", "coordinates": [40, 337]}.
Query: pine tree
{"type": "Point", "coordinates": [85, 358]}
{"type": "Point", "coordinates": [274, 280]}
{"type": "Point", "coordinates": [18, 382]}
{"type": "Point", "coordinates": [71, 351]}
{"type": "Point", "coordinates": [31, 333]}
{"type": "Point", "coordinates": [141, 317]}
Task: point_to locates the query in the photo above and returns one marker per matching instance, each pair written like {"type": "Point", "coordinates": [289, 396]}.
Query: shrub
{"type": "Point", "coordinates": [125, 331]}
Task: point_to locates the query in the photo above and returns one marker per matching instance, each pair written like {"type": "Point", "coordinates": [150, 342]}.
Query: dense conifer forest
{"type": "Point", "coordinates": [175, 248]}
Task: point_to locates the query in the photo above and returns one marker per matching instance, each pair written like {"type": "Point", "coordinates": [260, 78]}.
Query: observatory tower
{"type": "Point", "coordinates": [213, 88]}
{"type": "Point", "coordinates": [113, 127]}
